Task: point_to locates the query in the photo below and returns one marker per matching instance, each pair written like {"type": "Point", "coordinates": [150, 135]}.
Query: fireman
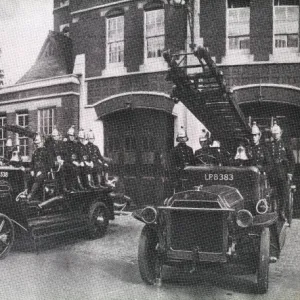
{"type": "Point", "coordinates": [86, 162]}
{"type": "Point", "coordinates": [72, 169]}
{"type": "Point", "coordinates": [100, 162]}
{"type": "Point", "coordinates": [258, 153]}
{"type": "Point", "coordinates": [181, 155]}
{"type": "Point", "coordinates": [204, 154]}
{"type": "Point", "coordinates": [40, 166]}
{"type": "Point", "coordinates": [282, 168]}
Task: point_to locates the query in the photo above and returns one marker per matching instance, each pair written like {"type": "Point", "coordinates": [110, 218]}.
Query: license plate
{"type": "Point", "coordinates": [218, 177]}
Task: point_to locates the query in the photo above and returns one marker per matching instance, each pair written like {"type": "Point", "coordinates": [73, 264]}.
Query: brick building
{"type": "Point", "coordinates": [115, 83]}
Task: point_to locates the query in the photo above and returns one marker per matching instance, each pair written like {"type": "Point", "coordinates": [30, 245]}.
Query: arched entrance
{"type": "Point", "coordinates": [138, 141]}
{"type": "Point", "coordinates": [265, 102]}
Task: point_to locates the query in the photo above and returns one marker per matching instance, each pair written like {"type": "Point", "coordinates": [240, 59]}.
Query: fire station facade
{"type": "Point", "coordinates": [115, 82]}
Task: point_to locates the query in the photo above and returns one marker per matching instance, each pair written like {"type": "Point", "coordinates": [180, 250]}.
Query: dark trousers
{"type": "Point", "coordinates": [282, 191]}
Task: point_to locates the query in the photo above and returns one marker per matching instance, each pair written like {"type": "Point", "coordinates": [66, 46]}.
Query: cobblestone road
{"type": "Point", "coordinates": [107, 269]}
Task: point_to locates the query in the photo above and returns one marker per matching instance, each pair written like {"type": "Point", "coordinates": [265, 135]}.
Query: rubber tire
{"type": "Point", "coordinates": [97, 231]}
{"type": "Point", "coordinates": [290, 208]}
{"type": "Point", "coordinates": [5, 252]}
{"type": "Point", "coordinates": [147, 255]}
{"type": "Point", "coordinates": [263, 262]}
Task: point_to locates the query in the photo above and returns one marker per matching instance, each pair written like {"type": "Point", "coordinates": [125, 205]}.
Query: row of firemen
{"type": "Point", "coordinates": [275, 158]}
{"type": "Point", "coordinates": [76, 162]}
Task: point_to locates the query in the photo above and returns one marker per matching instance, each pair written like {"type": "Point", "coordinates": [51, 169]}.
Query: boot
{"type": "Point", "coordinates": [79, 184]}
{"type": "Point", "coordinates": [100, 182]}
{"type": "Point", "coordinates": [91, 182]}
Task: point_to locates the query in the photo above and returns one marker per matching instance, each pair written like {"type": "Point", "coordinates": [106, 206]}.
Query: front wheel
{"type": "Point", "coordinates": [7, 235]}
{"type": "Point", "coordinates": [98, 220]}
{"type": "Point", "coordinates": [263, 262]}
{"type": "Point", "coordinates": [148, 255]}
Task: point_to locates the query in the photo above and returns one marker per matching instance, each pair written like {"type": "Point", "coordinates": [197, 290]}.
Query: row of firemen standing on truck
{"type": "Point", "coordinates": [275, 158]}
{"type": "Point", "coordinates": [77, 163]}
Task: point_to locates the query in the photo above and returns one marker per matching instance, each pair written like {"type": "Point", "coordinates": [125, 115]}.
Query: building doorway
{"type": "Point", "coordinates": [138, 142]}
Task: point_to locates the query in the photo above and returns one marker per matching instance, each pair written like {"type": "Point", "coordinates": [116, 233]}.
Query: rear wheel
{"type": "Point", "coordinates": [7, 235]}
{"type": "Point", "coordinates": [148, 255]}
{"type": "Point", "coordinates": [263, 262]}
{"type": "Point", "coordinates": [98, 220]}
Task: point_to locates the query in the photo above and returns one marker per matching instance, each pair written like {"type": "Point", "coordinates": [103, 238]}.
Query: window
{"type": "Point", "coordinates": [154, 33]}
{"type": "Point", "coordinates": [61, 27]}
{"type": "Point", "coordinates": [286, 24]}
{"type": "Point", "coordinates": [46, 120]}
{"type": "Point", "coordinates": [63, 3]}
{"type": "Point", "coordinates": [2, 136]}
{"type": "Point", "coordinates": [22, 141]}
{"type": "Point", "coordinates": [238, 25]}
{"type": "Point", "coordinates": [115, 39]}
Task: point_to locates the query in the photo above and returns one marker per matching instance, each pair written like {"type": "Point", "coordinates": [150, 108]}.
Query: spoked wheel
{"type": "Point", "coordinates": [290, 208]}
{"type": "Point", "coordinates": [7, 235]}
{"type": "Point", "coordinates": [148, 255]}
{"type": "Point", "coordinates": [263, 262]}
{"type": "Point", "coordinates": [98, 220]}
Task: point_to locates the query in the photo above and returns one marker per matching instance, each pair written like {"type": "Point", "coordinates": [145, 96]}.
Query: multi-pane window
{"type": "Point", "coordinates": [154, 33]}
{"type": "Point", "coordinates": [115, 39]}
{"type": "Point", "coordinates": [46, 120]}
{"type": "Point", "coordinates": [22, 140]}
{"type": "Point", "coordinates": [238, 25]}
{"type": "Point", "coordinates": [286, 23]}
{"type": "Point", "coordinates": [2, 136]}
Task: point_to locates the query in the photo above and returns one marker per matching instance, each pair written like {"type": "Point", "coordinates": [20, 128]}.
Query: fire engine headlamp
{"type": "Point", "coordinates": [149, 215]}
{"type": "Point", "coordinates": [262, 206]}
{"type": "Point", "coordinates": [244, 218]}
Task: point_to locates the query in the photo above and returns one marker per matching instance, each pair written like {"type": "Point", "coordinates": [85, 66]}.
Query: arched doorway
{"type": "Point", "coordinates": [138, 141]}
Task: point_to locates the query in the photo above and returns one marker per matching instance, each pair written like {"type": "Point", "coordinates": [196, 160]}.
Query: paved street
{"type": "Point", "coordinates": [107, 269]}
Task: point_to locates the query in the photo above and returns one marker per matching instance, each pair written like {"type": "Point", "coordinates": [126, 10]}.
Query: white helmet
{"type": "Point", "coordinates": [204, 136]}
{"type": "Point", "coordinates": [38, 139]}
{"type": "Point", "coordinates": [275, 128]}
{"type": "Point", "coordinates": [255, 129]}
{"type": "Point", "coordinates": [181, 135]}
{"type": "Point", "coordinates": [55, 132]}
{"type": "Point", "coordinates": [90, 134]}
{"type": "Point", "coordinates": [81, 134]}
{"type": "Point", "coordinates": [71, 130]}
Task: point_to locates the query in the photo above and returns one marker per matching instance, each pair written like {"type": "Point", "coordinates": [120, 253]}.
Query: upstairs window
{"type": "Point", "coordinates": [286, 24]}
{"type": "Point", "coordinates": [115, 39]}
{"type": "Point", "coordinates": [238, 25]}
{"type": "Point", "coordinates": [154, 33]}
{"type": "Point", "coordinates": [46, 120]}
{"type": "Point", "coordinates": [23, 141]}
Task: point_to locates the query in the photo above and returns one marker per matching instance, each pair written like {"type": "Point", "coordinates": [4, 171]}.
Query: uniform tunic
{"type": "Point", "coordinates": [41, 161]}
{"type": "Point", "coordinates": [259, 156]}
{"type": "Point", "coordinates": [283, 163]}
{"type": "Point", "coordinates": [181, 155]}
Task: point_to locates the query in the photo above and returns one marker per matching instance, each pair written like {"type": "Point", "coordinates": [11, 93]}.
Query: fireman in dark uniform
{"type": "Point", "coordinates": [72, 165]}
{"type": "Point", "coordinates": [283, 168]}
{"type": "Point", "coordinates": [40, 166]}
{"type": "Point", "coordinates": [181, 155]}
{"type": "Point", "coordinates": [100, 162]}
{"type": "Point", "coordinates": [58, 150]}
{"type": "Point", "coordinates": [258, 153]}
{"type": "Point", "coordinates": [204, 154]}
{"type": "Point", "coordinates": [87, 165]}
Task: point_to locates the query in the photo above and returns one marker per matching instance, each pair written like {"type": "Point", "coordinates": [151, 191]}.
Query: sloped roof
{"type": "Point", "coordinates": [54, 59]}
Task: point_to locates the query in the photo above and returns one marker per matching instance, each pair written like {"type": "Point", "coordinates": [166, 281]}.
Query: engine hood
{"type": "Point", "coordinates": [214, 197]}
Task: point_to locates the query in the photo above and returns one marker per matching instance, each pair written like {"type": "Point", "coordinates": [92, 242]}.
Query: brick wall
{"type": "Point", "coordinates": [268, 73]}
{"type": "Point", "coordinates": [261, 29]}
{"type": "Point", "coordinates": [213, 27]}
{"type": "Point", "coordinates": [61, 16]}
{"type": "Point", "coordinates": [102, 88]}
